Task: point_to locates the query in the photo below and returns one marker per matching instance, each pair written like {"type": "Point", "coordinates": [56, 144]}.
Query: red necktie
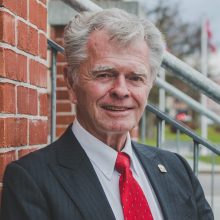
{"type": "Point", "coordinates": [133, 201]}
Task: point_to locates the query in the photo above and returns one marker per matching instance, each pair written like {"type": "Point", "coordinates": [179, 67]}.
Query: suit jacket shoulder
{"type": "Point", "coordinates": [53, 183]}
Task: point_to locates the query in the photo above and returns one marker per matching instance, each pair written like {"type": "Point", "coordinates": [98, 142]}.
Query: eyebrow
{"type": "Point", "coordinates": [103, 68]}
{"type": "Point", "coordinates": [140, 72]}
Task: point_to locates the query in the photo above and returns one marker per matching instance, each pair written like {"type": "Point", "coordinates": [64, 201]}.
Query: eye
{"type": "Point", "coordinates": [136, 78]}
{"type": "Point", "coordinates": [104, 75]}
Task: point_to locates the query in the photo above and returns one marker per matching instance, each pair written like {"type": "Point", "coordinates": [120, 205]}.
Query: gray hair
{"type": "Point", "coordinates": [120, 26]}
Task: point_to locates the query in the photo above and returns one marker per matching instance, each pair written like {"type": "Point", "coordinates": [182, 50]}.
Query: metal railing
{"type": "Point", "coordinates": [197, 141]}
{"type": "Point", "coordinates": [55, 48]}
{"type": "Point", "coordinates": [170, 62]}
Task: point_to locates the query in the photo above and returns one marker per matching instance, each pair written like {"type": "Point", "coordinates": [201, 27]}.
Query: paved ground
{"type": "Point", "coordinates": [205, 180]}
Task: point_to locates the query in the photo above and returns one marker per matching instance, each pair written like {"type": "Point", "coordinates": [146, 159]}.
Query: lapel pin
{"type": "Point", "coordinates": [162, 168]}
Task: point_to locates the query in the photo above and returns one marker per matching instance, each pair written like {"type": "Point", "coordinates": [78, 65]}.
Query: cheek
{"type": "Point", "coordinates": [142, 96]}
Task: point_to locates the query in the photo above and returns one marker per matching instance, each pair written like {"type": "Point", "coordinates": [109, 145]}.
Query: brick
{"type": "Point", "coordinates": [62, 95]}
{"type": "Point", "coordinates": [38, 74]}
{"type": "Point", "coordinates": [7, 28]}
{"type": "Point", "coordinates": [22, 100]}
{"type": "Point", "coordinates": [43, 104]}
{"type": "Point", "coordinates": [13, 132]}
{"type": "Point", "coordinates": [7, 98]}
{"type": "Point", "coordinates": [42, 21]}
{"type": "Point", "coordinates": [9, 4]}
{"type": "Point", "coordinates": [22, 8]}
{"type": "Point", "coordinates": [64, 107]}
{"type": "Point", "coordinates": [60, 41]}
{"type": "Point", "coordinates": [10, 64]}
{"type": "Point", "coordinates": [32, 41]}
{"type": "Point", "coordinates": [22, 32]}
{"type": "Point", "coordinates": [42, 75]}
{"type": "Point", "coordinates": [2, 62]}
{"type": "Point", "coordinates": [60, 131]}
{"type": "Point", "coordinates": [23, 152]}
{"type": "Point", "coordinates": [34, 15]}
{"type": "Point", "coordinates": [34, 72]}
{"type": "Point", "coordinates": [61, 57]}
{"type": "Point", "coordinates": [60, 69]}
{"type": "Point", "coordinates": [64, 119]}
{"type": "Point", "coordinates": [58, 32]}
{"type": "Point", "coordinates": [38, 132]}
{"type": "Point", "coordinates": [19, 8]}
{"type": "Point", "coordinates": [5, 159]}
{"type": "Point", "coordinates": [44, 1]}
{"type": "Point", "coordinates": [27, 101]}
{"type": "Point", "coordinates": [32, 102]}
{"type": "Point", "coordinates": [61, 82]}
{"type": "Point", "coordinates": [22, 68]}
{"type": "Point", "coordinates": [42, 46]}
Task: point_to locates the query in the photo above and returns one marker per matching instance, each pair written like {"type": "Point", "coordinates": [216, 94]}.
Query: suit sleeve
{"type": "Point", "coordinates": [204, 209]}
{"type": "Point", "coordinates": [22, 199]}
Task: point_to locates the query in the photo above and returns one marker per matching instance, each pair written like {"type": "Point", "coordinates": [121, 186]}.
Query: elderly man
{"type": "Point", "coordinates": [94, 171]}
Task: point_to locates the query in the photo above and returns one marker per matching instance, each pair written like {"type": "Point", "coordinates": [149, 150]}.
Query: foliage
{"type": "Point", "coordinates": [182, 38]}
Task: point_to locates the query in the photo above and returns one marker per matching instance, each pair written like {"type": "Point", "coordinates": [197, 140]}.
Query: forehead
{"type": "Point", "coordinates": [100, 46]}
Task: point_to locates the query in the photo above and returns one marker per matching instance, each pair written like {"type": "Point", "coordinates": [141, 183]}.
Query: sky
{"type": "Point", "coordinates": [195, 11]}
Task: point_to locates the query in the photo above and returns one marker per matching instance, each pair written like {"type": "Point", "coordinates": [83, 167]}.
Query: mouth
{"type": "Point", "coordinates": [116, 108]}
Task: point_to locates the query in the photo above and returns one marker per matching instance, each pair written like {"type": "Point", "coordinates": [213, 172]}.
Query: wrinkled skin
{"type": "Point", "coordinates": [112, 88]}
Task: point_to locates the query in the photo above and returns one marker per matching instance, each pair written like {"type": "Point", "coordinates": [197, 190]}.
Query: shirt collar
{"type": "Point", "coordinates": [100, 154]}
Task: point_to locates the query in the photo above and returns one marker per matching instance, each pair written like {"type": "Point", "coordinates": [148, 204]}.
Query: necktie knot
{"type": "Point", "coordinates": [122, 162]}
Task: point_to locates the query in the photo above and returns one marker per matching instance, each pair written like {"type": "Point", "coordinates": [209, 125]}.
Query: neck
{"type": "Point", "coordinates": [115, 141]}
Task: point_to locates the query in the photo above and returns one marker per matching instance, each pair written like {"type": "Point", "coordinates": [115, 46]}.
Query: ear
{"type": "Point", "coordinates": [71, 88]}
{"type": "Point", "coordinates": [72, 95]}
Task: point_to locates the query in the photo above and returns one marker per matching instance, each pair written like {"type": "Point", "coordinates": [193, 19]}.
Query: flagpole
{"type": "Point", "coordinates": [204, 70]}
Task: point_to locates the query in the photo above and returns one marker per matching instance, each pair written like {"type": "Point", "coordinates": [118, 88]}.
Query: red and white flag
{"type": "Point", "coordinates": [211, 46]}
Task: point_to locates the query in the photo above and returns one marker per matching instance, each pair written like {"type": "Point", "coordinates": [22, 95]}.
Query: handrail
{"type": "Point", "coordinates": [181, 69]}
{"type": "Point", "coordinates": [162, 116]}
{"type": "Point", "coordinates": [182, 128]}
{"type": "Point", "coordinates": [194, 78]}
{"type": "Point", "coordinates": [53, 45]}
{"type": "Point", "coordinates": [54, 48]}
{"type": "Point", "coordinates": [85, 5]}
{"type": "Point", "coordinates": [170, 62]}
{"type": "Point", "coordinates": [168, 88]}
{"type": "Point", "coordinates": [188, 100]}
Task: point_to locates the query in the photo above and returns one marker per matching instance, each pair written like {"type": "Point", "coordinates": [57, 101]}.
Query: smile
{"type": "Point", "coordinates": [116, 108]}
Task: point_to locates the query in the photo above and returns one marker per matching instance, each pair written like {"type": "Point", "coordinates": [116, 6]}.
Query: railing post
{"type": "Point", "coordinates": [53, 95]}
{"type": "Point", "coordinates": [178, 141]}
{"type": "Point", "coordinates": [143, 127]}
{"type": "Point", "coordinates": [195, 157]}
{"type": "Point", "coordinates": [159, 131]}
{"type": "Point", "coordinates": [212, 179]}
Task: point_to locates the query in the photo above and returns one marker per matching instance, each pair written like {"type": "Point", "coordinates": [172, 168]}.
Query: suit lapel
{"type": "Point", "coordinates": [76, 174]}
{"type": "Point", "coordinates": [161, 182]}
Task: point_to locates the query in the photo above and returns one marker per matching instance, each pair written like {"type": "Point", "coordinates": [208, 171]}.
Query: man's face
{"type": "Point", "coordinates": [112, 87]}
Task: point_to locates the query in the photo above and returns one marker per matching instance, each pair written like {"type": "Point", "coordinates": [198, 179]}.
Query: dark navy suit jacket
{"type": "Point", "coordinates": [58, 182]}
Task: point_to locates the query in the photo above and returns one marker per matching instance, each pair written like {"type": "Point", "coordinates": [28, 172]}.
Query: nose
{"type": "Point", "coordinates": [119, 88]}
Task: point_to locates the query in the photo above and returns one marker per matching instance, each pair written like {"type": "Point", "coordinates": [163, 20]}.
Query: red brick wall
{"type": "Point", "coordinates": [65, 109]}
{"type": "Point", "coordinates": [23, 79]}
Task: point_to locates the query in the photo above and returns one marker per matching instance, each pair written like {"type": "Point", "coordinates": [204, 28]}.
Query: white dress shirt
{"type": "Point", "coordinates": [103, 160]}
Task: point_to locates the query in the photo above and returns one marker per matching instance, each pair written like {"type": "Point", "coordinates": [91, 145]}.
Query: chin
{"type": "Point", "coordinates": [119, 128]}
